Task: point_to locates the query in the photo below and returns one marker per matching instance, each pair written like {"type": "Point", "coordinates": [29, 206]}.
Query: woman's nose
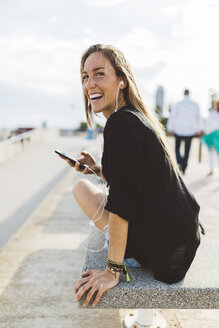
{"type": "Point", "coordinates": [90, 83]}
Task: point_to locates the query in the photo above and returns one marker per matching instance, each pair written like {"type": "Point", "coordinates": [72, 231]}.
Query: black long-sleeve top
{"type": "Point", "coordinates": [144, 190]}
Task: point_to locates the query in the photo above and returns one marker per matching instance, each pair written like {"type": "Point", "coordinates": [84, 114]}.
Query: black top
{"type": "Point", "coordinates": [162, 214]}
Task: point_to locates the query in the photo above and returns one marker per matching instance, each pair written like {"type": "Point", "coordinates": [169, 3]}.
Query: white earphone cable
{"type": "Point", "coordinates": [117, 95]}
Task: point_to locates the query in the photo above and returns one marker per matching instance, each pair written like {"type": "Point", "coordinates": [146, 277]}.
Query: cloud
{"type": "Point", "coordinates": [150, 71]}
{"type": "Point", "coordinates": [55, 19]}
{"type": "Point", "coordinates": [213, 3]}
{"type": "Point", "coordinates": [139, 45]}
{"type": "Point", "coordinates": [173, 10]}
{"type": "Point", "coordinates": [40, 78]}
{"type": "Point", "coordinates": [104, 3]}
{"type": "Point", "coordinates": [47, 65]}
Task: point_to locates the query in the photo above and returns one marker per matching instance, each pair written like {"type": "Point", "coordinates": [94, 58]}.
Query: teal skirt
{"type": "Point", "coordinates": [212, 140]}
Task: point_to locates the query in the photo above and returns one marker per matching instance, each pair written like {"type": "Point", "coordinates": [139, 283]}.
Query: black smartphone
{"type": "Point", "coordinates": [72, 160]}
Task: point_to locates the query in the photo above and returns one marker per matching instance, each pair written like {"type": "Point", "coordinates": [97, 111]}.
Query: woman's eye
{"type": "Point", "coordinates": [84, 77]}
{"type": "Point", "coordinates": [100, 74]}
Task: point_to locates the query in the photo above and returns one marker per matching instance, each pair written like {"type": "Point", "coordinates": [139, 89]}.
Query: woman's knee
{"type": "Point", "coordinates": [79, 186]}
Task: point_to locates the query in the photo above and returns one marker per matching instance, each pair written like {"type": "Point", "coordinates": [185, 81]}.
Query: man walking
{"type": "Point", "coordinates": [184, 123]}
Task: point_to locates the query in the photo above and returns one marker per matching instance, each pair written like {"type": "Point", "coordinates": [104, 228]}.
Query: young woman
{"type": "Point", "coordinates": [211, 136]}
{"type": "Point", "coordinates": [151, 217]}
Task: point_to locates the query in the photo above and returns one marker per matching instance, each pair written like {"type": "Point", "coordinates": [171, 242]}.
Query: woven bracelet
{"type": "Point", "coordinates": [114, 267]}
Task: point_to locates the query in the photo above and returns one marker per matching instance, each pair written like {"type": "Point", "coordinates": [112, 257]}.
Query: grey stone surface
{"type": "Point", "coordinates": [198, 290]}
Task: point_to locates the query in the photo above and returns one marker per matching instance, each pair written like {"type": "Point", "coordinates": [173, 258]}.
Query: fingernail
{"type": "Point", "coordinates": [84, 304]}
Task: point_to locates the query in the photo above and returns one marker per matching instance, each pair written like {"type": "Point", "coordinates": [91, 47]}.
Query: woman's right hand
{"type": "Point", "coordinates": [88, 160]}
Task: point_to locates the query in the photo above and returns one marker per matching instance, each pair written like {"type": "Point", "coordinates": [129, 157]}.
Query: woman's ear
{"type": "Point", "coordinates": [122, 84]}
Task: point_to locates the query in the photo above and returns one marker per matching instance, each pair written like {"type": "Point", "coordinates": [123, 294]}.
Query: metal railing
{"type": "Point", "coordinates": [9, 147]}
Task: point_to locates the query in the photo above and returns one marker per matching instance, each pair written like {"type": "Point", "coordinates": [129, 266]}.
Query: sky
{"type": "Point", "coordinates": [172, 43]}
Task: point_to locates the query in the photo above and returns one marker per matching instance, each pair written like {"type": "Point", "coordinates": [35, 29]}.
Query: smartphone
{"type": "Point", "coordinates": [72, 160]}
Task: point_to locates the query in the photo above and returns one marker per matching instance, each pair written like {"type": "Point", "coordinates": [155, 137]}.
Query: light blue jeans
{"type": "Point", "coordinates": [129, 262]}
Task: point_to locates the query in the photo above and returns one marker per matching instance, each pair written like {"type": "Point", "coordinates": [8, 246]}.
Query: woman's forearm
{"type": "Point", "coordinates": [118, 233]}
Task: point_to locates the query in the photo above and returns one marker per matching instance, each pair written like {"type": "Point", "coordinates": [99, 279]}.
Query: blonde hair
{"type": "Point", "coordinates": [131, 93]}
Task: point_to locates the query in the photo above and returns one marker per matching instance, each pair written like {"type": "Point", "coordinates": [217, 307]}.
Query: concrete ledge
{"type": "Point", "coordinates": [199, 289]}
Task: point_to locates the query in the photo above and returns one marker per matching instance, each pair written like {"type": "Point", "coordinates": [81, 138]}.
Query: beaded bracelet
{"type": "Point", "coordinates": [114, 267]}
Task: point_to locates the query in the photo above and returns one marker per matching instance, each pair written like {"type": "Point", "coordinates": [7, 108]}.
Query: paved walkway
{"type": "Point", "coordinates": [29, 176]}
{"type": "Point", "coordinates": [42, 262]}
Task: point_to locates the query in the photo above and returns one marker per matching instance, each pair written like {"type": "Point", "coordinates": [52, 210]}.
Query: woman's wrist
{"type": "Point", "coordinates": [112, 274]}
{"type": "Point", "coordinates": [114, 268]}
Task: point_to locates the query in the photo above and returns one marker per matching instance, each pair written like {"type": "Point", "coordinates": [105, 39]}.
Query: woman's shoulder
{"type": "Point", "coordinates": [119, 120]}
{"type": "Point", "coordinates": [127, 118]}
{"type": "Point", "coordinates": [122, 113]}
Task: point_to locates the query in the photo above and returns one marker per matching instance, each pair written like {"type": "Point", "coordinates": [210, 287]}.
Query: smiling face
{"type": "Point", "coordinates": [100, 84]}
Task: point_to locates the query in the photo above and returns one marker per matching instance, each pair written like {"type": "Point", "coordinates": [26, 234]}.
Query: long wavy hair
{"type": "Point", "coordinates": [131, 92]}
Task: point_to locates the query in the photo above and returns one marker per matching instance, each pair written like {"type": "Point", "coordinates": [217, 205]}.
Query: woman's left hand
{"type": "Point", "coordinates": [95, 281]}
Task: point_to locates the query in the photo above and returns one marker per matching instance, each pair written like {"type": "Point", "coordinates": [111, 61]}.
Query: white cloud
{"type": "Point", "coordinates": [104, 3]}
{"type": "Point", "coordinates": [171, 11]}
{"type": "Point", "coordinates": [55, 19]}
{"type": "Point", "coordinates": [213, 3]}
{"type": "Point", "coordinates": [48, 65]}
{"type": "Point", "coordinates": [139, 45]}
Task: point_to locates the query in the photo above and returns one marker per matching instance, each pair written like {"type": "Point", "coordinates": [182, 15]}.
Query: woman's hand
{"type": "Point", "coordinates": [86, 159]}
{"type": "Point", "coordinates": [95, 281]}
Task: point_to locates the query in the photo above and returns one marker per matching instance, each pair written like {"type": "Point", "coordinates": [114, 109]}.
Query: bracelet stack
{"type": "Point", "coordinates": [114, 267]}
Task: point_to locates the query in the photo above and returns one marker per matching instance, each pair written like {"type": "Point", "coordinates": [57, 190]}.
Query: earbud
{"type": "Point", "coordinates": [117, 93]}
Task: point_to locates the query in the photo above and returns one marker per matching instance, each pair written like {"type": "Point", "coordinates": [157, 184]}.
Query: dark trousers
{"type": "Point", "coordinates": [182, 160]}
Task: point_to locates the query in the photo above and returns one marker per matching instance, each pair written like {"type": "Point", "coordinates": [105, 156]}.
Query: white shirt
{"type": "Point", "coordinates": [185, 119]}
{"type": "Point", "coordinates": [212, 122]}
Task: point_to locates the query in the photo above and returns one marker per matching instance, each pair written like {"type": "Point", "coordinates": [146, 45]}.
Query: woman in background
{"type": "Point", "coordinates": [211, 136]}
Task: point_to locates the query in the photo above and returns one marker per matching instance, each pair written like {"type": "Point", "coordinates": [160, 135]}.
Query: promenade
{"type": "Point", "coordinates": [42, 260]}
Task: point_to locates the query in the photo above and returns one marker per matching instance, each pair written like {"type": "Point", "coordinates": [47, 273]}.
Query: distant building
{"type": "Point", "coordinates": [159, 100]}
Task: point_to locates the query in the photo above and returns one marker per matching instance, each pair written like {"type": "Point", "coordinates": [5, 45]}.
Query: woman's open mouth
{"type": "Point", "coordinates": [95, 97]}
